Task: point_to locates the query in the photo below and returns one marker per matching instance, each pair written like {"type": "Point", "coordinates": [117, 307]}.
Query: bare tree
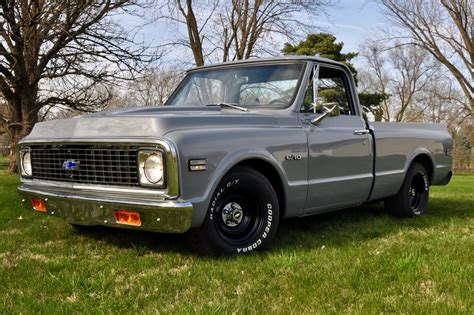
{"type": "Point", "coordinates": [441, 101]}
{"type": "Point", "coordinates": [56, 53]}
{"type": "Point", "coordinates": [238, 29]}
{"type": "Point", "coordinates": [154, 86]}
{"type": "Point", "coordinates": [3, 115]}
{"type": "Point", "coordinates": [419, 88]}
{"type": "Point", "coordinates": [414, 70]}
{"type": "Point", "coordinates": [444, 29]}
{"type": "Point", "coordinates": [375, 78]}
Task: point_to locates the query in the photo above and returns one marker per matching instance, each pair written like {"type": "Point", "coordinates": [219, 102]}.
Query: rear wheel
{"type": "Point", "coordinates": [243, 214]}
{"type": "Point", "coordinates": [412, 198]}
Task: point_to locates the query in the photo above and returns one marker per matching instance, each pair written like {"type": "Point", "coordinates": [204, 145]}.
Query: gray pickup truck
{"type": "Point", "coordinates": [237, 147]}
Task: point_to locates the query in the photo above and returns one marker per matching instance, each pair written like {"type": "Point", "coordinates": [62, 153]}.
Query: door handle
{"type": "Point", "coordinates": [361, 132]}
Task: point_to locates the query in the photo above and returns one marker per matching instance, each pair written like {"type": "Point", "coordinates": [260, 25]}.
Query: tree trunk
{"type": "Point", "coordinates": [24, 117]}
{"type": "Point", "coordinates": [378, 115]}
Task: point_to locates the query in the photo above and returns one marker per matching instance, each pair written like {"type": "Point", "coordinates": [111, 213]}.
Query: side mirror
{"type": "Point", "coordinates": [330, 109]}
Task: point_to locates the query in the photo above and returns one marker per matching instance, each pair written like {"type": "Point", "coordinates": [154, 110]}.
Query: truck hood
{"type": "Point", "coordinates": [146, 122]}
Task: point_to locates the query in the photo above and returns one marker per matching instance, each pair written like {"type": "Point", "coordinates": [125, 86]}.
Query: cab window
{"type": "Point", "coordinates": [332, 88]}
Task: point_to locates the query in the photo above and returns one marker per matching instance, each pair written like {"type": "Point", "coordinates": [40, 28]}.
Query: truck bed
{"type": "Point", "coordinates": [396, 144]}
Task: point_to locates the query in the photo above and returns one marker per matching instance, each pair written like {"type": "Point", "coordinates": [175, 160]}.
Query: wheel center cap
{"type": "Point", "coordinates": [232, 214]}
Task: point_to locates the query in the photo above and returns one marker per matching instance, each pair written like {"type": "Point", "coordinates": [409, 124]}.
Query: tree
{"type": "Point", "coordinates": [57, 53]}
{"type": "Point", "coordinates": [462, 154]}
{"type": "Point", "coordinates": [154, 86]}
{"type": "Point", "coordinates": [238, 29]}
{"type": "Point", "coordinates": [420, 88]}
{"type": "Point", "coordinates": [372, 102]}
{"type": "Point", "coordinates": [442, 28]}
{"type": "Point", "coordinates": [415, 70]}
{"type": "Point", "coordinates": [374, 82]}
{"type": "Point", "coordinates": [324, 45]}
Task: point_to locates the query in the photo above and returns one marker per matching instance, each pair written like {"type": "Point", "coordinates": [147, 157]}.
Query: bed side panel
{"type": "Point", "coordinates": [397, 144]}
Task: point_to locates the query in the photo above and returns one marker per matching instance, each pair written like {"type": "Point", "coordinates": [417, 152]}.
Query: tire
{"type": "Point", "coordinates": [412, 199]}
{"type": "Point", "coordinates": [243, 215]}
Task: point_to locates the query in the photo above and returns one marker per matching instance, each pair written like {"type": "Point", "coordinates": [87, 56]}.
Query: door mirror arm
{"type": "Point", "coordinates": [328, 111]}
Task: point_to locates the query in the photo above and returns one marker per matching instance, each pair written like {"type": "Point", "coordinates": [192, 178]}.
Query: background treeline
{"type": "Point", "coordinates": [61, 58]}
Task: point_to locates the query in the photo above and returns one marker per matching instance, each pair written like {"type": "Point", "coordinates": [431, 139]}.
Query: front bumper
{"type": "Point", "coordinates": [158, 216]}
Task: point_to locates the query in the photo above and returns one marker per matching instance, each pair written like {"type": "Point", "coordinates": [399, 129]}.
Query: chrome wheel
{"type": "Point", "coordinates": [238, 217]}
{"type": "Point", "coordinates": [232, 214]}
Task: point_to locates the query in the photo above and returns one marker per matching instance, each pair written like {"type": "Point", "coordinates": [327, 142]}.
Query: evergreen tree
{"type": "Point", "coordinates": [324, 45]}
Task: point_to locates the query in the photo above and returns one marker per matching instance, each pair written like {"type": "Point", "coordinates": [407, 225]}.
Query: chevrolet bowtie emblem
{"type": "Point", "coordinates": [71, 165]}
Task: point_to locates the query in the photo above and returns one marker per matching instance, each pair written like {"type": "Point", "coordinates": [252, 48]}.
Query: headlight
{"type": "Point", "coordinates": [154, 168]}
{"type": "Point", "coordinates": [151, 168]}
{"type": "Point", "coordinates": [26, 169]}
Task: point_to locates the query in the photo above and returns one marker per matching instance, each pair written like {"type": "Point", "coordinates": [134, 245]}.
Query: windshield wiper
{"type": "Point", "coordinates": [231, 105]}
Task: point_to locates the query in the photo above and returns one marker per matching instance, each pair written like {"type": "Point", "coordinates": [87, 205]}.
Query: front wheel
{"type": "Point", "coordinates": [243, 214]}
{"type": "Point", "coordinates": [412, 198]}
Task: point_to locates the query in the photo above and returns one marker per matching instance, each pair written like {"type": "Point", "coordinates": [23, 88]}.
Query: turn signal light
{"type": "Point", "coordinates": [128, 217]}
{"type": "Point", "coordinates": [38, 205]}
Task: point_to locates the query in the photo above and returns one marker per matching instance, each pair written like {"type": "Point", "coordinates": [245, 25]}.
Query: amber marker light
{"type": "Point", "coordinates": [38, 205]}
{"type": "Point", "coordinates": [128, 217]}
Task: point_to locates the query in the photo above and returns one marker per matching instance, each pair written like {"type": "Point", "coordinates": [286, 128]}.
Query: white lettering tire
{"type": "Point", "coordinates": [243, 214]}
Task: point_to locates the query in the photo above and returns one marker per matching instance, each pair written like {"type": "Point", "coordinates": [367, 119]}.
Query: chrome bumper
{"type": "Point", "coordinates": [157, 216]}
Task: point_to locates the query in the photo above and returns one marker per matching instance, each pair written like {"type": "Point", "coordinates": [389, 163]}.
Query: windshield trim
{"type": "Point", "coordinates": [245, 65]}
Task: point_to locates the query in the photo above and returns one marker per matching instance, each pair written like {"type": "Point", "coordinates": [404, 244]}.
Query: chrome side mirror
{"type": "Point", "coordinates": [330, 109]}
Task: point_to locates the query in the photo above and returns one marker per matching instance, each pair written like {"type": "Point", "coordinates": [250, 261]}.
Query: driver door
{"type": "Point", "coordinates": [340, 154]}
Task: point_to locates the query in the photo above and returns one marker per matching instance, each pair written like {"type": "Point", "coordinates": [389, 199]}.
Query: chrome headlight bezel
{"type": "Point", "coordinates": [26, 167]}
{"type": "Point", "coordinates": [144, 177]}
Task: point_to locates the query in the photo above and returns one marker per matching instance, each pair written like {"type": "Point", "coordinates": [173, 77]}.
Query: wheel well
{"type": "Point", "coordinates": [425, 160]}
{"type": "Point", "coordinates": [267, 170]}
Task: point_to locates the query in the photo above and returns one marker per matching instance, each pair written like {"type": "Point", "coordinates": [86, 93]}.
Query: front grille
{"type": "Point", "coordinates": [97, 164]}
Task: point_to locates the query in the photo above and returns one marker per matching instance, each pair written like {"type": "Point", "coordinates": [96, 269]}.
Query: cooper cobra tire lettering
{"type": "Point", "coordinates": [264, 234]}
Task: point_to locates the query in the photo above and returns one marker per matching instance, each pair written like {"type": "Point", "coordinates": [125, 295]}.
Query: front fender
{"type": "Point", "coordinates": [270, 145]}
{"type": "Point", "coordinates": [231, 160]}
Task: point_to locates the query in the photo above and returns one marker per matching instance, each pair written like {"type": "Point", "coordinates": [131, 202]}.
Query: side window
{"type": "Point", "coordinates": [332, 88]}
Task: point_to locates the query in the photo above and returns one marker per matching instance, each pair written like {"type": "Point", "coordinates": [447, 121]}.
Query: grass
{"type": "Point", "coordinates": [359, 261]}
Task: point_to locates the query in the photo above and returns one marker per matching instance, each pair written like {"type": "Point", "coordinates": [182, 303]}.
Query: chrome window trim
{"type": "Point", "coordinates": [171, 191]}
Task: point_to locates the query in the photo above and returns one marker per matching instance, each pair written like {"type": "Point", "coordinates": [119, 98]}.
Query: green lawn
{"type": "Point", "coordinates": [357, 261]}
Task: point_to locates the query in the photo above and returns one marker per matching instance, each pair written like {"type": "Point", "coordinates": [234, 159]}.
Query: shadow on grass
{"type": "Point", "coordinates": [362, 223]}
{"type": "Point", "coordinates": [333, 229]}
{"type": "Point", "coordinates": [143, 241]}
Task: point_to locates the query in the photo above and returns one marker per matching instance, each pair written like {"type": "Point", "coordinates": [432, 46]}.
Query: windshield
{"type": "Point", "coordinates": [246, 86]}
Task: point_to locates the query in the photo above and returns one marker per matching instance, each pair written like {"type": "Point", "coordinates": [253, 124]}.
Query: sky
{"type": "Point", "coordinates": [351, 21]}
